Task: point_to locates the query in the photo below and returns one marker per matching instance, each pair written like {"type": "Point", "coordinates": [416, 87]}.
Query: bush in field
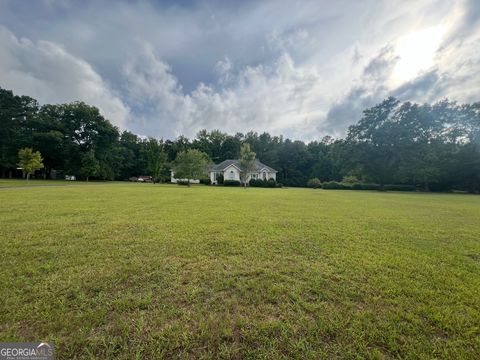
{"type": "Point", "coordinates": [350, 179]}
{"type": "Point", "coordinates": [371, 186]}
{"type": "Point", "coordinates": [231, 183]}
{"type": "Point", "coordinates": [334, 185]}
{"type": "Point", "coordinates": [399, 187]}
{"type": "Point", "coordinates": [360, 186]}
{"type": "Point", "coordinates": [314, 183]}
{"type": "Point", "coordinates": [357, 186]}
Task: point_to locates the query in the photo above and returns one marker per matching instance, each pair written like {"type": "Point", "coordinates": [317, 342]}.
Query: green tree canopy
{"type": "Point", "coordinates": [30, 161]}
{"type": "Point", "coordinates": [190, 165]}
{"type": "Point", "coordinates": [247, 162]}
{"type": "Point", "coordinates": [157, 158]}
{"type": "Point", "coordinates": [432, 146]}
{"type": "Point", "coordinates": [90, 164]}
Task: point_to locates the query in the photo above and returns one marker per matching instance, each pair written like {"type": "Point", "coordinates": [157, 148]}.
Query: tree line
{"type": "Point", "coordinates": [434, 147]}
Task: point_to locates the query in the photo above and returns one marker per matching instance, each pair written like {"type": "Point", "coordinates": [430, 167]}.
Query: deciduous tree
{"type": "Point", "coordinates": [90, 164]}
{"type": "Point", "coordinates": [157, 158]}
{"type": "Point", "coordinates": [30, 161]}
{"type": "Point", "coordinates": [247, 163]}
{"type": "Point", "coordinates": [190, 165]}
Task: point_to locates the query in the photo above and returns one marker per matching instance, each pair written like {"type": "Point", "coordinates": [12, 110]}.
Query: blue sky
{"type": "Point", "coordinates": [303, 69]}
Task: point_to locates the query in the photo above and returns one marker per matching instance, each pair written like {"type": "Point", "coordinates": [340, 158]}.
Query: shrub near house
{"type": "Point", "coordinates": [231, 183]}
{"type": "Point", "coordinates": [270, 183]}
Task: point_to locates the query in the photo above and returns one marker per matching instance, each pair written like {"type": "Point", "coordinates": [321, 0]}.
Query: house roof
{"type": "Point", "coordinates": [225, 164]}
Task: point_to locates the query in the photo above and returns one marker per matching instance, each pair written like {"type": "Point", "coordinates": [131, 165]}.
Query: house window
{"type": "Point", "coordinates": [232, 175]}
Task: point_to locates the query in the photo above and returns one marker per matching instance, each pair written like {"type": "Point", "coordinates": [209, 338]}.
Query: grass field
{"type": "Point", "coordinates": [33, 182]}
{"type": "Point", "coordinates": [142, 271]}
{"type": "Point", "coordinates": [18, 182]}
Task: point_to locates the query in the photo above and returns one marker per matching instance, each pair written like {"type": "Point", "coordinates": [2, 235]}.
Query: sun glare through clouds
{"type": "Point", "coordinates": [416, 52]}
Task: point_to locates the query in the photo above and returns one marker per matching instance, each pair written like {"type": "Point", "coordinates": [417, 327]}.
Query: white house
{"type": "Point", "coordinates": [230, 169]}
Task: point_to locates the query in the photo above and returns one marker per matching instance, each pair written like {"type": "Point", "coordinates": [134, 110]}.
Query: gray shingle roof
{"type": "Point", "coordinates": [224, 164]}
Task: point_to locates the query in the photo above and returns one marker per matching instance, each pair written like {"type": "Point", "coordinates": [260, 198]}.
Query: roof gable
{"type": "Point", "coordinates": [233, 165]}
{"type": "Point", "coordinates": [258, 166]}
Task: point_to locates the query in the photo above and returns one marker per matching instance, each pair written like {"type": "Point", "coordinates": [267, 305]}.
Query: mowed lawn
{"type": "Point", "coordinates": [143, 271]}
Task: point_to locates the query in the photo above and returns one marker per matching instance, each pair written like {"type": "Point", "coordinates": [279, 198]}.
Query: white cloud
{"type": "Point", "coordinates": [224, 68]}
{"type": "Point", "coordinates": [279, 98]}
{"type": "Point", "coordinates": [48, 73]}
{"type": "Point", "coordinates": [287, 40]}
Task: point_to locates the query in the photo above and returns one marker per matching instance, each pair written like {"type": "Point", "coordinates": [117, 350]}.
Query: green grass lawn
{"type": "Point", "coordinates": [19, 182]}
{"type": "Point", "coordinates": [34, 182]}
{"type": "Point", "coordinates": [143, 271]}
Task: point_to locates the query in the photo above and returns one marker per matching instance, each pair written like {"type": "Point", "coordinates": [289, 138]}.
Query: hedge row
{"type": "Point", "coordinates": [270, 183]}
{"type": "Point", "coordinates": [253, 183]}
{"type": "Point", "coordinates": [334, 185]}
{"type": "Point", "coordinates": [231, 183]}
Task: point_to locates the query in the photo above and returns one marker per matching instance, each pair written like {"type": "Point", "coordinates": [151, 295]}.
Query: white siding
{"type": "Point", "coordinates": [231, 173]}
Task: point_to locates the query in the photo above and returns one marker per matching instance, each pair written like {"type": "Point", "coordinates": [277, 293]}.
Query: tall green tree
{"type": "Point", "coordinates": [157, 158]}
{"type": "Point", "coordinates": [16, 116]}
{"type": "Point", "coordinates": [375, 137]}
{"type": "Point", "coordinates": [191, 165]}
{"type": "Point", "coordinates": [133, 153]}
{"type": "Point", "coordinates": [90, 165]}
{"type": "Point", "coordinates": [85, 129]}
{"type": "Point", "coordinates": [30, 161]}
{"type": "Point", "coordinates": [247, 163]}
{"type": "Point", "coordinates": [230, 148]}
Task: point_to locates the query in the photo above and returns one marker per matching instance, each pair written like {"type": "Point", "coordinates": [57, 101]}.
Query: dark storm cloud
{"type": "Point", "coordinates": [422, 87]}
